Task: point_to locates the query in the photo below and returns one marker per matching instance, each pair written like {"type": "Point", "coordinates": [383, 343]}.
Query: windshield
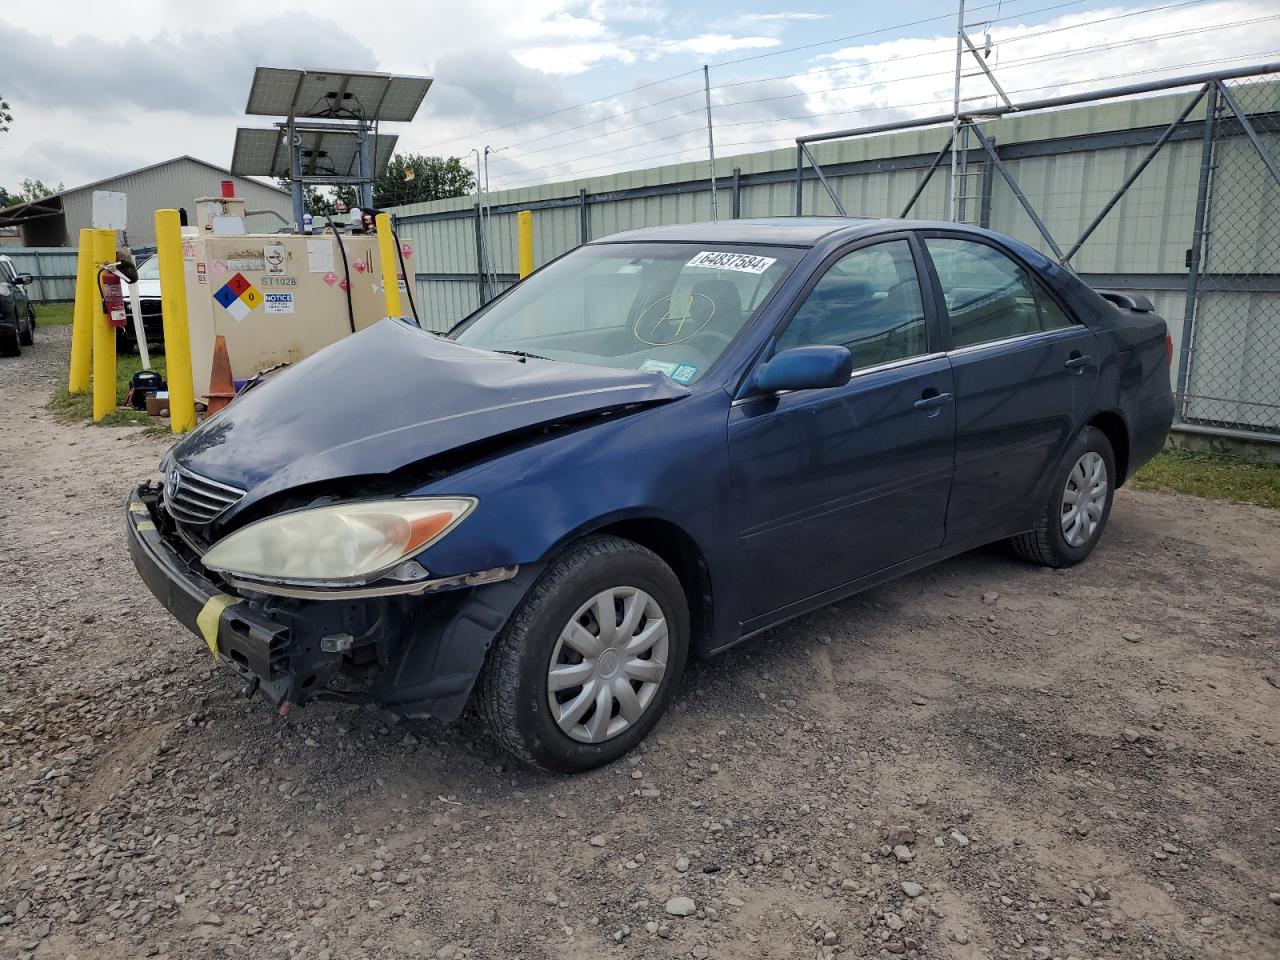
{"type": "Point", "coordinates": [149, 269]}
{"type": "Point", "coordinates": [671, 308]}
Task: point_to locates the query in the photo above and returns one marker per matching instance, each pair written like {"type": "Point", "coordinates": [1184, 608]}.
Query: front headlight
{"type": "Point", "coordinates": [341, 543]}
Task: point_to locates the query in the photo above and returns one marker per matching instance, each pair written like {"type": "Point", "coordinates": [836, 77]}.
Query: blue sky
{"type": "Point", "coordinates": [178, 78]}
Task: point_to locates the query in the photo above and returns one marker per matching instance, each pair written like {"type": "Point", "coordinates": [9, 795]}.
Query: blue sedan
{"type": "Point", "coordinates": [656, 446]}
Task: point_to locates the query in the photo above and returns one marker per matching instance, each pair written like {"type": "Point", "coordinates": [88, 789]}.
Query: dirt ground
{"type": "Point", "coordinates": [980, 760]}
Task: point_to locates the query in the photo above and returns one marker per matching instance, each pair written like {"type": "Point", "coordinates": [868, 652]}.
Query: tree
{"type": "Point", "coordinates": [6, 198]}
{"type": "Point", "coordinates": [326, 204]}
{"type": "Point", "coordinates": [35, 189]}
{"type": "Point", "coordinates": [6, 117]}
{"type": "Point", "coordinates": [416, 178]}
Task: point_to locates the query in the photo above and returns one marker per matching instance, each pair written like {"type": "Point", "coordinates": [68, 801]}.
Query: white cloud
{"type": "Point", "coordinates": [785, 15]}
{"type": "Point", "coordinates": [709, 44]}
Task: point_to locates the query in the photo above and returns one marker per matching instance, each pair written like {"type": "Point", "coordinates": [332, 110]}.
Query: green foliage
{"type": "Point", "coordinates": [35, 189]}
{"type": "Point", "coordinates": [417, 178]}
{"type": "Point", "coordinates": [54, 314]}
{"type": "Point", "coordinates": [6, 198]}
{"type": "Point", "coordinates": [6, 118]}
{"type": "Point", "coordinates": [1212, 475]}
{"type": "Point", "coordinates": [325, 203]}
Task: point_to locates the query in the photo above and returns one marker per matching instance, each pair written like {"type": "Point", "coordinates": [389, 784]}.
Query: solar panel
{"type": "Point", "coordinates": [322, 153]}
{"type": "Point", "coordinates": [335, 95]}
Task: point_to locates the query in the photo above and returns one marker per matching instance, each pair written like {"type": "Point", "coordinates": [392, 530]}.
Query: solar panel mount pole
{"type": "Point", "coordinates": [366, 168]}
{"type": "Point", "coordinates": [295, 177]}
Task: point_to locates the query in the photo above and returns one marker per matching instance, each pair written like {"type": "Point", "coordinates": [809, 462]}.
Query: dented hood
{"type": "Point", "coordinates": [390, 396]}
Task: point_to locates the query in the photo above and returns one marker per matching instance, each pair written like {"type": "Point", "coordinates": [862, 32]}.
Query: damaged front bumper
{"type": "Point", "coordinates": [414, 655]}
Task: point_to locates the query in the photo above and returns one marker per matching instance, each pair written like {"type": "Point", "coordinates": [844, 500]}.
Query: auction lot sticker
{"type": "Point", "coordinates": [738, 262]}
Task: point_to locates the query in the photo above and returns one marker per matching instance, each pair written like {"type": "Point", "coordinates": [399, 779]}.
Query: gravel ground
{"type": "Point", "coordinates": [980, 760]}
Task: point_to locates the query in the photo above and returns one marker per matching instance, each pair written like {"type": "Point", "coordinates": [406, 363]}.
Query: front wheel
{"type": "Point", "coordinates": [590, 659]}
{"type": "Point", "coordinates": [1078, 507]}
{"type": "Point", "coordinates": [28, 335]}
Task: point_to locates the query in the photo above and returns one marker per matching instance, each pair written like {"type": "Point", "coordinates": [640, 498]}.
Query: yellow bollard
{"type": "Point", "coordinates": [104, 335]}
{"type": "Point", "coordinates": [173, 311]}
{"type": "Point", "coordinates": [387, 254]}
{"type": "Point", "coordinates": [86, 309]}
{"type": "Point", "coordinates": [524, 233]}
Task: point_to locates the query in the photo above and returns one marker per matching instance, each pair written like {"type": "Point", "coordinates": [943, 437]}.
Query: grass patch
{"type": "Point", "coordinates": [1214, 476]}
{"type": "Point", "coordinates": [79, 406]}
{"type": "Point", "coordinates": [54, 314]}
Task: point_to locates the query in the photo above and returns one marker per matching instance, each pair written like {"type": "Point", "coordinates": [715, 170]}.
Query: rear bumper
{"type": "Point", "coordinates": [418, 656]}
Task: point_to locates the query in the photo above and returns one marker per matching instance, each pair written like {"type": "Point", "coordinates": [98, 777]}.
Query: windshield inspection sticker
{"type": "Point", "coordinates": [684, 373]}
{"type": "Point", "coordinates": [738, 262]}
{"type": "Point", "coordinates": [658, 366]}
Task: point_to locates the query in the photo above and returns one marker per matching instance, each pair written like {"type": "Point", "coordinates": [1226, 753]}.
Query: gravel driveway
{"type": "Point", "coordinates": [981, 760]}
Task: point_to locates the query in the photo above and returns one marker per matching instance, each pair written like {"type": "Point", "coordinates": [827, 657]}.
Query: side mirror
{"type": "Point", "coordinates": [804, 368]}
{"type": "Point", "coordinates": [24, 278]}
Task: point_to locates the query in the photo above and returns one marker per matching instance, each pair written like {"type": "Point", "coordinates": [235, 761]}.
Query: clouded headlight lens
{"type": "Point", "coordinates": [340, 543]}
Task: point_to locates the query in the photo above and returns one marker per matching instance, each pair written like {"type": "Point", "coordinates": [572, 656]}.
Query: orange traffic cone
{"type": "Point", "coordinates": [221, 388]}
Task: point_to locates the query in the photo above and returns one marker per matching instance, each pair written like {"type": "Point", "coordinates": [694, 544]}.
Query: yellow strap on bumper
{"type": "Point", "coordinates": [210, 614]}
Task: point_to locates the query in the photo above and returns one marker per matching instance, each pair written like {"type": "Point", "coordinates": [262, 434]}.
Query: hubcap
{"type": "Point", "coordinates": [1084, 499]}
{"type": "Point", "coordinates": [608, 664]}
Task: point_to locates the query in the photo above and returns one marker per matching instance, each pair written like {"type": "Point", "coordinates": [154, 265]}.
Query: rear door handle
{"type": "Point", "coordinates": [931, 401]}
{"type": "Point", "coordinates": [1077, 361]}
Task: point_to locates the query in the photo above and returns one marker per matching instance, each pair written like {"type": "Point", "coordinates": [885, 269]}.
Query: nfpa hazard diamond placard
{"type": "Point", "coordinates": [238, 296]}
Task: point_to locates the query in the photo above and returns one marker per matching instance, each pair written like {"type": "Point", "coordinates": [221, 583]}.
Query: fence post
{"type": "Point", "coordinates": [985, 188]}
{"type": "Point", "coordinates": [584, 217]}
{"type": "Point", "coordinates": [736, 205]}
{"type": "Point", "coordinates": [173, 313]}
{"type": "Point", "coordinates": [799, 179]}
{"type": "Point", "coordinates": [480, 255]}
{"type": "Point", "coordinates": [1197, 247]}
{"type": "Point", "coordinates": [524, 236]}
{"type": "Point", "coordinates": [86, 304]}
{"type": "Point", "coordinates": [104, 334]}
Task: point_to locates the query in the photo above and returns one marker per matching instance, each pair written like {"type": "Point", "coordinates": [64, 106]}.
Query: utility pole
{"type": "Point", "coordinates": [954, 188]}
{"type": "Point", "coordinates": [711, 142]}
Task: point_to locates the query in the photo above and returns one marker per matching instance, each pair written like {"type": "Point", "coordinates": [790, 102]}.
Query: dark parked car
{"type": "Point", "coordinates": [17, 315]}
{"type": "Point", "coordinates": [657, 446]}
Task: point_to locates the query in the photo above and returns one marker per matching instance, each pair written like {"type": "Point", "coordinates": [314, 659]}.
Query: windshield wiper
{"type": "Point", "coordinates": [522, 355]}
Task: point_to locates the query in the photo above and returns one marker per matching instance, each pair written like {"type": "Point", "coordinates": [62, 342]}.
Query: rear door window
{"type": "Point", "coordinates": [988, 296]}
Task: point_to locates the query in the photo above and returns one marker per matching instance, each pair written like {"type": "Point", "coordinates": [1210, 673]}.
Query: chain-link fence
{"type": "Point", "coordinates": [1231, 377]}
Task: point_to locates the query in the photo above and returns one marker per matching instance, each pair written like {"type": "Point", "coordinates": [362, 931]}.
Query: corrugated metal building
{"type": "Point", "coordinates": [1068, 162]}
{"type": "Point", "coordinates": [56, 220]}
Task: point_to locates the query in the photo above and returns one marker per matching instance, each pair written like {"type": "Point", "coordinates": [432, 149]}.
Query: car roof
{"type": "Point", "coordinates": [778, 231]}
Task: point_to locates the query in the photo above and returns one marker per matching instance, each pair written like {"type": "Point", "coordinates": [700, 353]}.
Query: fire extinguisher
{"type": "Point", "coordinates": [113, 298]}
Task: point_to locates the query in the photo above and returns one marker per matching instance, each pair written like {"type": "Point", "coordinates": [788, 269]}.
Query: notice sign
{"type": "Point", "coordinates": [738, 262]}
{"type": "Point", "coordinates": [278, 302]}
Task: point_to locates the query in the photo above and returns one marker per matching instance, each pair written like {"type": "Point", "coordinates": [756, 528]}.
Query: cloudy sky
{"type": "Point", "coordinates": [568, 87]}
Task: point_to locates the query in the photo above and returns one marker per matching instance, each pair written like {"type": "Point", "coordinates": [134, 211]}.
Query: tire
{"type": "Point", "coordinates": [513, 693]}
{"type": "Point", "coordinates": [28, 337]}
{"type": "Point", "coordinates": [1061, 538]}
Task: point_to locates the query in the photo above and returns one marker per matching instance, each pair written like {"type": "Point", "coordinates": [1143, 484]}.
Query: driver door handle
{"type": "Point", "coordinates": [931, 399]}
{"type": "Point", "coordinates": [1077, 361]}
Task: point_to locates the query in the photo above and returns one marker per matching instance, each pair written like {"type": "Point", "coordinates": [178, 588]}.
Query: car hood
{"type": "Point", "coordinates": [391, 396]}
{"type": "Point", "coordinates": [147, 289]}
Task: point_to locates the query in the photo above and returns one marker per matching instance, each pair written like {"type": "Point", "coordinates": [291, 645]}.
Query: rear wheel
{"type": "Point", "coordinates": [589, 661]}
{"type": "Point", "coordinates": [1078, 507]}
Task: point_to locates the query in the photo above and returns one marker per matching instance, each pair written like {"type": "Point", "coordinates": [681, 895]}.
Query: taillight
{"type": "Point", "coordinates": [1168, 348]}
